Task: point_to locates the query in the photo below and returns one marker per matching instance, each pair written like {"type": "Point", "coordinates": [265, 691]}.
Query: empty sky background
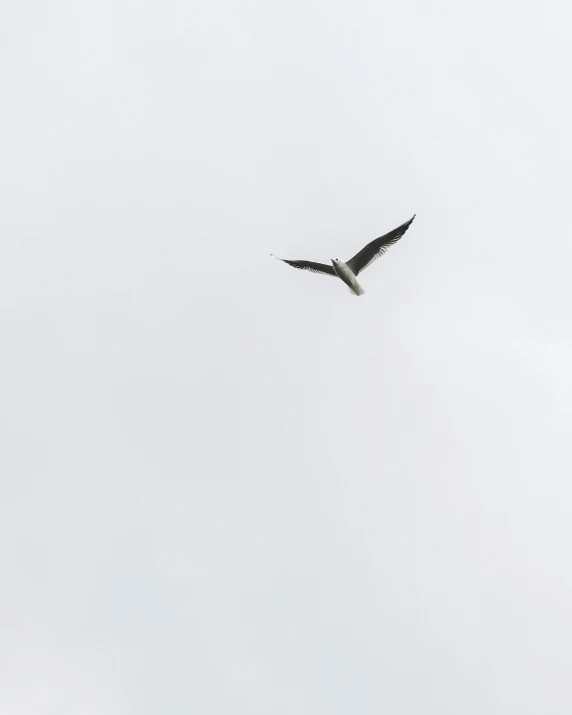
{"type": "Point", "coordinates": [228, 486]}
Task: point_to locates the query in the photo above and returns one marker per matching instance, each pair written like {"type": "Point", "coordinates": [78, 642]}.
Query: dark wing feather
{"type": "Point", "coordinates": [377, 248]}
{"type": "Point", "coordinates": [309, 266]}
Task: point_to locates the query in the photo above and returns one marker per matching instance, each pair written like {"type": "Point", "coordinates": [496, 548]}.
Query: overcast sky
{"type": "Point", "coordinates": [228, 486]}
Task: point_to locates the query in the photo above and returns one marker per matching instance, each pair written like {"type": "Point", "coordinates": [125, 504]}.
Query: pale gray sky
{"type": "Point", "coordinates": [228, 486]}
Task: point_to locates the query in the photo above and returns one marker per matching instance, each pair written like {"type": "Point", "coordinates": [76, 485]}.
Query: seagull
{"type": "Point", "coordinates": [349, 271]}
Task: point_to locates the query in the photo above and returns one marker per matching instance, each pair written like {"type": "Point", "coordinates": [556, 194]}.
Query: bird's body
{"type": "Point", "coordinates": [344, 272]}
{"type": "Point", "coordinates": [349, 270]}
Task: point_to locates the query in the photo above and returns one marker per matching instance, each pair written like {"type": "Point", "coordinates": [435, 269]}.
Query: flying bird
{"type": "Point", "coordinates": [349, 270]}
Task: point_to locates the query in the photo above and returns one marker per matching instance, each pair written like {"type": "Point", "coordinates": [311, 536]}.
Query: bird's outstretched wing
{"type": "Point", "coordinates": [377, 248]}
{"type": "Point", "coordinates": [309, 266]}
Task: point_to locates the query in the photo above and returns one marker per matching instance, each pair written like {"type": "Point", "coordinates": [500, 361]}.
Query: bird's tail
{"type": "Point", "coordinates": [356, 289]}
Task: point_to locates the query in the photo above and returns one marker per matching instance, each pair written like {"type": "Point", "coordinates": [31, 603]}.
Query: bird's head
{"type": "Point", "coordinates": [335, 260]}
